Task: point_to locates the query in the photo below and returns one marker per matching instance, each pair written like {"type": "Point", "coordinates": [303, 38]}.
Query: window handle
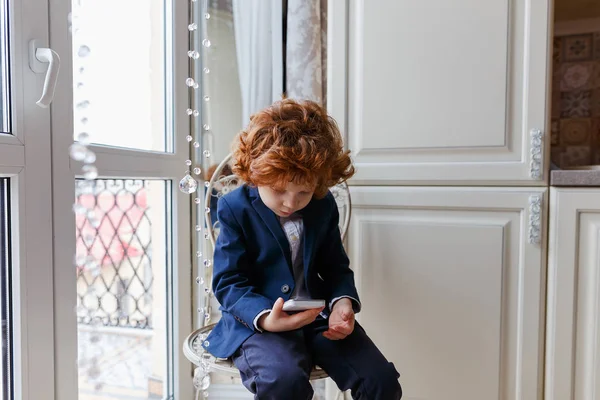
{"type": "Point", "coordinates": [38, 56]}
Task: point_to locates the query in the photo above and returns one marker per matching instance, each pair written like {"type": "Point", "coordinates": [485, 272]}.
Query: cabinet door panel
{"type": "Point", "coordinates": [445, 92]}
{"type": "Point", "coordinates": [452, 288]}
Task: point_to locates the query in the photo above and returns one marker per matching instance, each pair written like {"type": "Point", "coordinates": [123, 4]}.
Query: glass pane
{"type": "Point", "coordinates": [4, 65]}
{"type": "Point", "coordinates": [119, 73]}
{"type": "Point", "coordinates": [123, 263]}
{"type": "Point", "coordinates": [5, 295]}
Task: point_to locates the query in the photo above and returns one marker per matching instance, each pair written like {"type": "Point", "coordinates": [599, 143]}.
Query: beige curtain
{"type": "Point", "coordinates": [306, 50]}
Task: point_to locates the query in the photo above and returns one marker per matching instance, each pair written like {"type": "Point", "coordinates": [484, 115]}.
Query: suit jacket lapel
{"type": "Point", "coordinates": [311, 226]}
{"type": "Point", "coordinates": [270, 219]}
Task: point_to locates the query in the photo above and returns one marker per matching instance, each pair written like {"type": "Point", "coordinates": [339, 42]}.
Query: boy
{"type": "Point", "coordinates": [279, 239]}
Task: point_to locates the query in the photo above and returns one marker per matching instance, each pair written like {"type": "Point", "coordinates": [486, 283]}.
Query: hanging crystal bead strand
{"type": "Point", "coordinates": [80, 151]}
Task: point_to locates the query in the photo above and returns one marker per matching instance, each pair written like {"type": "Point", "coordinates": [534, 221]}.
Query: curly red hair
{"type": "Point", "coordinates": [292, 141]}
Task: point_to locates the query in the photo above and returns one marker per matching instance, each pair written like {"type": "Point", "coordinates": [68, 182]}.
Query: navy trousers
{"type": "Point", "coordinates": [276, 366]}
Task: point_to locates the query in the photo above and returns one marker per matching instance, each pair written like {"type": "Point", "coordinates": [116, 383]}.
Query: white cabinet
{"type": "Point", "coordinates": [451, 281]}
{"type": "Point", "coordinates": [442, 92]}
{"type": "Point", "coordinates": [573, 321]}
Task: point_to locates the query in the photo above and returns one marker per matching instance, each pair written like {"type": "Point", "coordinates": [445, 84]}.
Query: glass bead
{"type": "Point", "coordinates": [206, 127]}
{"type": "Point", "coordinates": [197, 171]}
{"type": "Point", "coordinates": [79, 209]}
{"type": "Point", "coordinates": [207, 210]}
{"type": "Point", "coordinates": [206, 70]}
{"type": "Point", "coordinates": [83, 138]}
{"type": "Point", "coordinates": [207, 183]}
{"type": "Point", "coordinates": [207, 263]}
{"type": "Point", "coordinates": [206, 98]}
{"type": "Point", "coordinates": [206, 235]}
{"type": "Point", "coordinates": [78, 152]}
{"type": "Point", "coordinates": [206, 43]}
{"type": "Point", "coordinates": [196, 145]}
{"type": "Point", "coordinates": [190, 82]}
{"type": "Point", "coordinates": [205, 383]}
{"type": "Point", "coordinates": [193, 26]}
{"type": "Point", "coordinates": [188, 184]}
{"type": "Point", "coordinates": [196, 113]}
{"type": "Point", "coordinates": [188, 162]}
{"type": "Point", "coordinates": [197, 199]}
{"type": "Point", "coordinates": [83, 105]}
{"type": "Point", "coordinates": [189, 111]}
{"type": "Point", "coordinates": [200, 280]}
{"type": "Point", "coordinates": [193, 54]}
{"type": "Point", "coordinates": [189, 138]}
{"type": "Point", "coordinates": [90, 157]}
{"type": "Point", "coordinates": [198, 228]}
{"type": "Point", "coordinates": [89, 172]}
{"type": "Point", "coordinates": [198, 254]}
{"type": "Point", "coordinates": [206, 16]}
{"type": "Point", "coordinates": [83, 51]}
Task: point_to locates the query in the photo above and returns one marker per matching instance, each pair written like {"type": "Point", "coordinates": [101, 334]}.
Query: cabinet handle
{"type": "Point", "coordinates": [535, 219]}
{"type": "Point", "coordinates": [535, 153]}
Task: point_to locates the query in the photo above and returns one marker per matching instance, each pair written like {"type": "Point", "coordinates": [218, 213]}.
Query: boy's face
{"type": "Point", "coordinates": [287, 201]}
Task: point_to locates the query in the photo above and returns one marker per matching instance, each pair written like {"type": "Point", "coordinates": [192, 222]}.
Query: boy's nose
{"type": "Point", "coordinates": [289, 203]}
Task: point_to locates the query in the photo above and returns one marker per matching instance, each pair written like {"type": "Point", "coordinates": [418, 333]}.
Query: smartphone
{"type": "Point", "coordinates": [301, 305]}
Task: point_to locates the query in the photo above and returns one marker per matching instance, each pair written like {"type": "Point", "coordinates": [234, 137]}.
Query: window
{"type": "Point", "coordinates": [124, 305]}
{"type": "Point", "coordinates": [5, 295]}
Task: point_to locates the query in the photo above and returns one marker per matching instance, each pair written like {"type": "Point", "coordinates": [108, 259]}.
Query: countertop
{"type": "Point", "coordinates": [575, 177]}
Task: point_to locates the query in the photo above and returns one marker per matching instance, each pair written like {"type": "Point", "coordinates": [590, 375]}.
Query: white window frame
{"type": "Point", "coordinates": [118, 163]}
{"type": "Point", "coordinates": [25, 158]}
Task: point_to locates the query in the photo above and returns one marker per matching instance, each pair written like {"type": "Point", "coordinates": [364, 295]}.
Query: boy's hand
{"type": "Point", "coordinates": [280, 321]}
{"type": "Point", "coordinates": [341, 320]}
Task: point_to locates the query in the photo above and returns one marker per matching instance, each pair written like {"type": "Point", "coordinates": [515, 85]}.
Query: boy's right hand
{"type": "Point", "coordinates": [280, 321]}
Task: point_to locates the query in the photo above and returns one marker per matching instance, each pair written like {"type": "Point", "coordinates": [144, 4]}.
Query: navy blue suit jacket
{"type": "Point", "coordinates": [253, 266]}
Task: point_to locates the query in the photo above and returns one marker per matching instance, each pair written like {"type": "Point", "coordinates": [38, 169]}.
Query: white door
{"type": "Point", "coordinates": [572, 352]}
{"type": "Point", "coordinates": [123, 303]}
{"type": "Point", "coordinates": [451, 281]}
{"type": "Point", "coordinates": [443, 92]}
{"type": "Point", "coordinates": [27, 358]}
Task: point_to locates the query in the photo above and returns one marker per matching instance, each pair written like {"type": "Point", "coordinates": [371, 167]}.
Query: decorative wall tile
{"type": "Point", "coordinates": [576, 76]}
{"type": "Point", "coordinates": [575, 131]}
{"type": "Point", "coordinates": [575, 101]}
{"type": "Point", "coordinates": [555, 132]}
{"type": "Point", "coordinates": [595, 103]}
{"type": "Point", "coordinates": [575, 155]}
{"type": "Point", "coordinates": [575, 104]}
{"type": "Point", "coordinates": [577, 47]}
{"type": "Point", "coordinates": [595, 134]}
{"type": "Point", "coordinates": [596, 45]}
{"type": "Point", "coordinates": [557, 50]}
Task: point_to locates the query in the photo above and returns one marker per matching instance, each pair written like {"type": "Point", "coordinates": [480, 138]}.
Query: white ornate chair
{"type": "Point", "coordinates": [220, 184]}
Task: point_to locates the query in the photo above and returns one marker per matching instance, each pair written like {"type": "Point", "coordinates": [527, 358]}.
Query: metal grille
{"type": "Point", "coordinates": [114, 254]}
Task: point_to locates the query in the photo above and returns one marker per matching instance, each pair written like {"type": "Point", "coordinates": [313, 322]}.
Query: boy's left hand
{"type": "Point", "coordinates": [341, 320]}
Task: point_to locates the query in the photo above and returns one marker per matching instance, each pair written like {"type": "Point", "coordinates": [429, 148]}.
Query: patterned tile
{"type": "Point", "coordinates": [577, 47]}
{"type": "Point", "coordinates": [575, 104]}
{"type": "Point", "coordinates": [555, 106]}
{"type": "Point", "coordinates": [595, 78]}
{"type": "Point", "coordinates": [595, 133]}
{"type": "Point", "coordinates": [576, 76]}
{"type": "Point", "coordinates": [555, 155]}
{"type": "Point", "coordinates": [575, 155]}
{"type": "Point", "coordinates": [556, 50]}
{"type": "Point", "coordinates": [575, 132]}
{"type": "Point", "coordinates": [595, 103]}
{"type": "Point", "coordinates": [555, 133]}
